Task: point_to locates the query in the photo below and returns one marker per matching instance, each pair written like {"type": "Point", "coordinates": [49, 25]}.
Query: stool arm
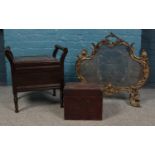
{"type": "Point", "coordinates": [63, 50]}
{"type": "Point", "coordinates": [9, 55]}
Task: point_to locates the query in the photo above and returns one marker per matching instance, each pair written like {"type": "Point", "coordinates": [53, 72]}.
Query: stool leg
{"type": "Point", "coordinates": [54, 92]}
{"type": "Point", "coordinates": [61, 98]}
{"type": "Point", "coordinates": [16, 102]}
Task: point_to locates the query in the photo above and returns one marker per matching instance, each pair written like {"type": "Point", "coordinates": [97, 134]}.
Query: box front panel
{"type": "Point", "coordinates": [83, 108]}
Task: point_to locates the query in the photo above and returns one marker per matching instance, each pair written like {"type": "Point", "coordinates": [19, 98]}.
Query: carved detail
{"type": "Point", "coordinates": [82, 57]}
{"type": "Point", "coordinates": [109, 89]}
{"type": "Point", "coordinates": [134, 97]}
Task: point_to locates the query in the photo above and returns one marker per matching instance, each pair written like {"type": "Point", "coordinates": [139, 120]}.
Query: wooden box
{"type": "Point", "coordinates": [82, 102]}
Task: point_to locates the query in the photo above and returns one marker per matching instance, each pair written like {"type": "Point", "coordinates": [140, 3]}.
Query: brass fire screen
{"type": "Point", "coordinates": [114, 66]}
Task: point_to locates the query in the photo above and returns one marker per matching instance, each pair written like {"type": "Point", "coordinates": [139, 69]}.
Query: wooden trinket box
{"type": "Point", "coordinates": [82, 101]}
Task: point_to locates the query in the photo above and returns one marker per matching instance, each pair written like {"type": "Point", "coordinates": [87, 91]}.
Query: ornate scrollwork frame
{"type": "Point", "coordinates": [109, 89]}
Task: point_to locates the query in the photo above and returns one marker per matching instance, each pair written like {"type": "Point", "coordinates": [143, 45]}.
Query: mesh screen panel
{"type": "Point", "coordinates": [112, 65]}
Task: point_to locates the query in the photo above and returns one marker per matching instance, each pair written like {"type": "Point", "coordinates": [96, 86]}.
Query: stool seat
{"type": "Point", "coordinates": [29, 61]}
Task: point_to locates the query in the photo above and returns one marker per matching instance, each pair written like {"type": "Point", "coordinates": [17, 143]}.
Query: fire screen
{"type": "Point", "coordinates": [114, 66]}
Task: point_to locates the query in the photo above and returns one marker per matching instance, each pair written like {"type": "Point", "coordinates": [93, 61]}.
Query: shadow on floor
{"type": "Point", "coordinates": [34, 99]}
{"type": "Point", "coordinates": [111, 110]}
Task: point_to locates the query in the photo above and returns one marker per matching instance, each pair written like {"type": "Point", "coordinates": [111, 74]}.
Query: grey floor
{"type": "Point", "coordinates": [43, 109]}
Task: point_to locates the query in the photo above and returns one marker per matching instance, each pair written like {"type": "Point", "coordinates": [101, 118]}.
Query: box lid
{"type": "Point", "coordinates": [82, 89]}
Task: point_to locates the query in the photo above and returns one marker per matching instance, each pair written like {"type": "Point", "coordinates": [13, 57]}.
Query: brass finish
{"type": "Point", "coordinates": [109, 89]}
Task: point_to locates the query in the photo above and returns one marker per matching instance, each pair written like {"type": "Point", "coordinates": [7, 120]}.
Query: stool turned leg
{"type": "Point", "coordinates": [16, 103]}
{"type": "Point", "coordinates": [54, 92]}
{"type": "Point", "coordinates": [61, 98]}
